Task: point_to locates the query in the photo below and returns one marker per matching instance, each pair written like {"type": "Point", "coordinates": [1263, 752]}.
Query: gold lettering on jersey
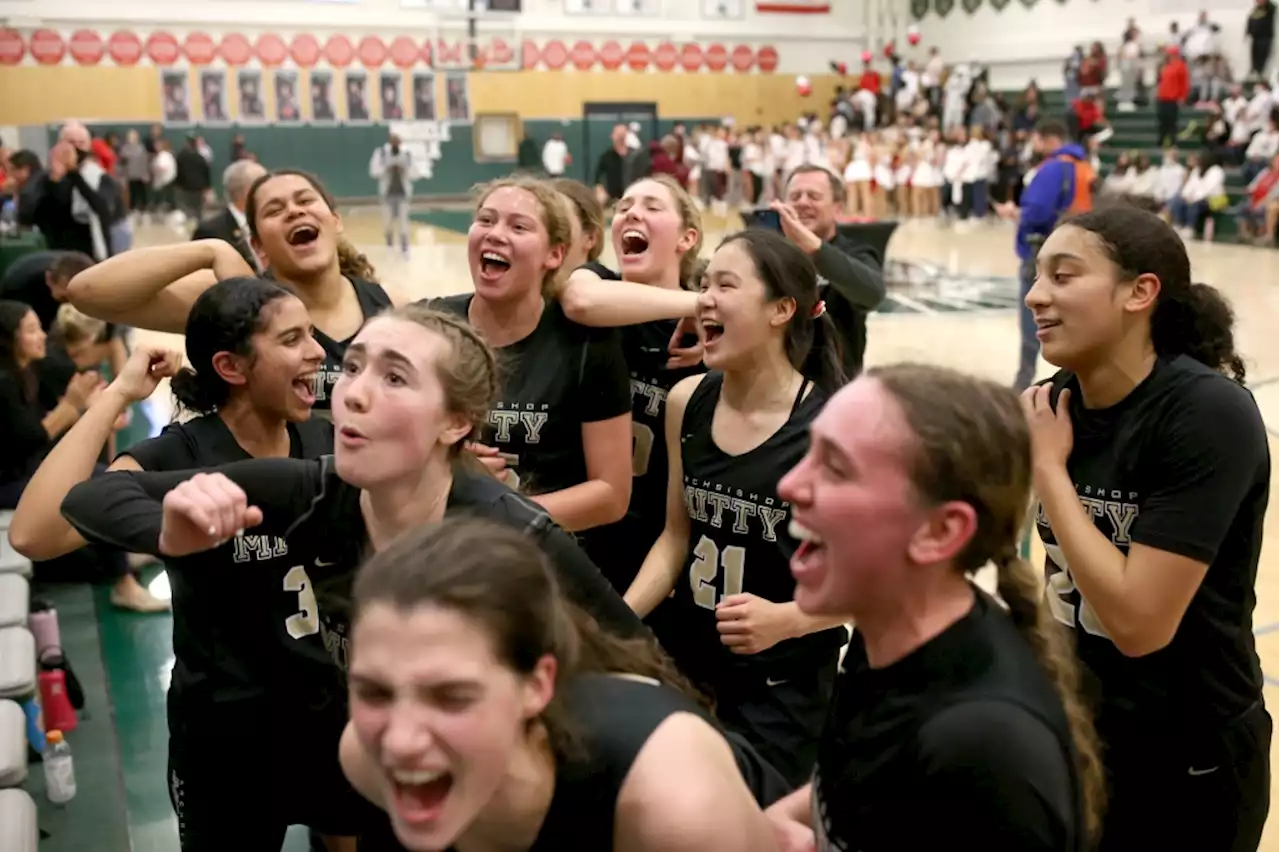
{"type": "Point", "coordinates": [654, 396]}
{"type": "Point", "coordinates": [1109, 504]}
{"type": "Point", "coordinates": [323, 380]}
{"type": "Point", "coordinates": [336, 643]}
{"type": "Point", "coordinates": [505, 419]}
{"type": "Point", "coordinates": [717, 504]}
{"type": "Point", "coordinates": [258, 548]}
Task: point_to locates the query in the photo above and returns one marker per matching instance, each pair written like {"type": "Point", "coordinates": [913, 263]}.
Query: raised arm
{"type": "Point", "coordinates": [155, 287]}
{"type": "Point", "coordinates": [661, 568]}
{"type": "Point", "coordinates": [590, 300]}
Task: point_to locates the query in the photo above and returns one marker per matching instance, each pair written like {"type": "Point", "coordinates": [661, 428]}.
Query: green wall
{"type": "Point", "coordinates": [339, 154]}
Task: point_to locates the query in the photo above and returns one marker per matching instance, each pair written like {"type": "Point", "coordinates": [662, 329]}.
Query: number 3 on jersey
{"type": "Point", "coordinates": [708, 559]}
{"type": "Point", "coordinates": [1064, 598]}
{"type": "Point", "coordinates": [305, 622]}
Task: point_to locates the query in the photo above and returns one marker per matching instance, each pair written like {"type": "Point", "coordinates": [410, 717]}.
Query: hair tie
{"type": "Point", "coordinates": [818, 309]}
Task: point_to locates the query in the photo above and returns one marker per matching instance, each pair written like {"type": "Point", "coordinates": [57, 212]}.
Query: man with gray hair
{"type": "Point", "coordinates": [74, 203]}
{"type": "Point", "coordinates": [230, 225]}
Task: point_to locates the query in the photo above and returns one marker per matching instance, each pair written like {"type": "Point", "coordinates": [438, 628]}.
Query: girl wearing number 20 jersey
{"type": "Point", "coordinates": [1153, 474]}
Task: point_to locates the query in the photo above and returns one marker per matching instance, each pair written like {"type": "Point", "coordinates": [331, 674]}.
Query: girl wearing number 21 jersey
{"type": "Point", "coordinates": [726, 545]}
{"type": "Point", "coordinates": [1152, 471]}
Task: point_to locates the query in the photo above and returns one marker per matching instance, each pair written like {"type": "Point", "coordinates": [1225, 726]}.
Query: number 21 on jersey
{"type": "Point", "coordinates": [709, 562]}
{"type": "Point", "coordinates": [1064, 598]}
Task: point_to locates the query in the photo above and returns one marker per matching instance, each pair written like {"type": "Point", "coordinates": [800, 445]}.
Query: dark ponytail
{"type": "Point", "coordinates": [813, 345]}
{"type": "Point", "coordinates": [1189, 319]}
{"type": "Point", "coordinates": [223, 319]}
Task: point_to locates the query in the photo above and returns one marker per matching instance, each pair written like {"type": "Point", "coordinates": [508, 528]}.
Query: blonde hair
{"type": "Point", "coordinates": [555, 218]}
{"type": "Point", "coordinates": [588, 210]}
{"type": "Point", "coordinates": [72, 326]}
{"type": "Point", "coordinates": [470, 376]}
{"type": "Point", "coordinates": [971, 442]}
{"type": "Point", "coordinates": [690, 219]}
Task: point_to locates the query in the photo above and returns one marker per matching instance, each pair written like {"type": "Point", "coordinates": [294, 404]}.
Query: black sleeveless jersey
{"type": "Point", "coordinates": [559, 377]}
{"type": "Point", "coordinates": [373, 300]}
{"type": "Point", "coordinates": [314, 517]}
{"type": "Point", "coordinates": [223, 599]}
{"type": "Point", "coordinates": [738, 540]}
{"type": "Point", "coordinates": [615, 715]}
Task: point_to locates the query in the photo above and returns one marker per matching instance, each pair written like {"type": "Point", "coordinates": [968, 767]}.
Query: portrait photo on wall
{"type": "Point", "coordinates": [457, 96]}
{"type": "Point", "coordinates": [357, 97]}
{"type": "Point", "coordinates": [249, 86]}
{"type": "Point", "coordinates": [213, 96]}
{"type": "Point", "coordinates": [322, 96]}
{"type": "Point", "coordinates": [424, 97]}
{"type": "Point", "coordinates": [389, 84]}
{"type": "Point", "coordinates": [175, 96]}
{"type": "Point", "coordinates": [287, 104]}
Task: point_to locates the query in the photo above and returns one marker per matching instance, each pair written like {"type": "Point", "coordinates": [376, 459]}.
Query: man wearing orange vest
{"type": "Point", "coordinates": [1062, 186]}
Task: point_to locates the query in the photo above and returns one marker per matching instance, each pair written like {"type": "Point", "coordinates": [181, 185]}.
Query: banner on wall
{"type": "Point", "coordinates": [175, 97]}
{"type": "Point", "coordinates": [424, 96]}
{"type": "Point", "coordinates": [457, 96]}
{"type": "Point", "coordinates": [213, 97]}
{"type": "Point", "coordinates": [322, 108]}
{"type": "Point", "coordinates": [249, 89]}
{"type": "Point", "coordinates": [444, 48]}
{"type": "Point", "coordinates": [422, 139]}
{"type": "Point", "coordinates": [288, 108]}
{"type": "Point", "coordinates": [357, 98]}
{"type": "Point", "coordinates": [390, 85]}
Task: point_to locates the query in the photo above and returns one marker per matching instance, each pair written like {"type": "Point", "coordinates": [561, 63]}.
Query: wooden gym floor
{"type": "Point", "coordinates": [966, 322]}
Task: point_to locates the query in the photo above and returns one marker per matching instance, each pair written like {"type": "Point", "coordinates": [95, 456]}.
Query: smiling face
{"type": "Point", "coordinates": [441, 716]}
{"type": "Point", "coordinates": [1081, 304]}
{"type": "Point", "coordinates": [650, 232]}
{"type": "Point", "coordinates": [509, 246]}
{"type": "Point", "coordinates": [295, 230]}
{"type": "Point", "coordinates": [852, 503]}
{"type": "Point", "coordinates": [282, 375]}
{"type": "Point", "coordinates": [810, 194]}
{"type": "Point", "coordinates": [29, 340]}
{"type": "Point", "coordinates": [737, 321]}
{"type": "Point", "coordinates": [390, 410]}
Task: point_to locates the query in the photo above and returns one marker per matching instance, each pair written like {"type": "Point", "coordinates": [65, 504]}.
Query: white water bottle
{"type": "Point", "coordinates": [59, 772]}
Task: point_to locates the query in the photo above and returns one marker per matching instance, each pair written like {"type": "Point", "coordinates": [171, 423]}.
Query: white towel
{"type": "Point", "coordinates": [92, 172]}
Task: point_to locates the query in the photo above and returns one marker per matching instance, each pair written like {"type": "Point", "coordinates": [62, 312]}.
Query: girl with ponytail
{"type": "Point", "coordinates": [1152, 472]}
{"type": "Point", "coordinates": [297, 237]}
{"type": "Point", "coordinates": [250, 376]}
{"type": "Point", "coordinates": [734, 630]}
{"type": "Point", "coordinates": [952, 717]}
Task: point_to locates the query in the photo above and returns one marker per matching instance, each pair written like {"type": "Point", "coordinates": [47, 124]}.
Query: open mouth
{"type": "Point", "coordinates": [493, 264]}
{"type": "Point", "coordinates": [420, 796]}
{"type": "Point", "coordinates": [303, 235]}
{"type": "Point", "coordinates": [711, 332]}
{"type": "Point", "coordinates": [811, 544]}
{"type": "Point", "coordinates": [634, 243]}
{"type": "Point", "coordinates": [305, 387]}
{"type": "Point", "coordinates": [349, 436]}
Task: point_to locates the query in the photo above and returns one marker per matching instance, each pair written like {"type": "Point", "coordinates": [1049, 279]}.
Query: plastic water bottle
{"type": "Point", "coordinates": [59, 773]}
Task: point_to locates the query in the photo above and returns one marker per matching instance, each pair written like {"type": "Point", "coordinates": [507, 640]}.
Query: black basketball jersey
{"type": "Point", "coordinates": [738, 538]}
{"type": "Point", "coordinates": [222, 600]}
{"type": "Point", "coordinates": [1181, 464]}
{"type": "Point", "coordinates": [559, 377]}
{"type": "Point", "coordinates": [373, 300]}
{"type": "Point", "coordinates": [317, 515]}
{"type": "Point", "coordinates": [965, 736]}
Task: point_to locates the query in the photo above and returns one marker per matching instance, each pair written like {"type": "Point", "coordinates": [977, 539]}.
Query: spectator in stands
{"type": "Point", "coordinates": [1203, 193]}
{"type": "Point", "coordinates": [610, 174]}
{"type": "Point", "coordinates": [24, 169]}
{"type": "Point", "coordinates": [135, 171]}
{"type": "Point", "coordinates": [555, 156]}
{"type": "Point", "coordinates": [1260, 30]}
{"type": "Point", "coordinates": [194, 179]}
{"type": "Point", "coordinates": [852, 271]}
{"type": "Point", "coordinates": [1172, 89]}
{"type": "Point", "coordinates": [867, 98]}
{"type": "Point", "coordinates": [931, 79]}
{"type": "Point", "coordinates": [75, 202]}
{"type": "Point", "coordinates": [1063, 185]}
{"type": "Point", "coordinates": [164, 168]}
{"type": "Point", "coordinates": [1129, 62]}
{"type": "Point", "coordinates": [39, 280]}
{"type": "Point", "coordinates": [1071, 74]}
{"type": "Point", "coordinates": [230, 225]}
{"type": "Point", "coordinates": [1119, 181]}
{"type": "Point", "coordinates": [1202, 40]}
{"type": "Point", "coordinates": [663, 159]}
{"type": "Point", "coordinates": [1145, 182]}
{"type": "Point", "coordinates": [1093, 68]}
{"type": "Point", "coordinates": [1088, 113]}
{"type": "Point", "coordinates": [1254, 215]}
{"type": "Point", "coordinates": [1172, 175]}
{"type": "Point", "coordinates": [1262, 150]}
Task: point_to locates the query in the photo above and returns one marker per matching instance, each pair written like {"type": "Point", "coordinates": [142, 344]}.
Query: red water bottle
{"type": "Point", "coordinates": [58, 712]}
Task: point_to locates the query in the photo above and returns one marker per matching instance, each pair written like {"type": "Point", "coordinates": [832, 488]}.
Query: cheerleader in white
{"type": "Point", "coordinates": [882, 181]}
{"type": "Point", "coordinates": [953, 174]}
{"type": "Point", "coordinates": [857, 178]}
{"type": "Point", "coordinates": [903, 177]}
{"type": "Point", "coordinates": [927, 177]}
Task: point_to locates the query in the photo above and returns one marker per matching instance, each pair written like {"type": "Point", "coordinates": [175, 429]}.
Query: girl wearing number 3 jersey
{"type": "Point", "coordinates": [231, 699]}
{"type": "Point", "coordinates": [726, 545]}
{"type": "Point", "coordinates": [1152, 471]}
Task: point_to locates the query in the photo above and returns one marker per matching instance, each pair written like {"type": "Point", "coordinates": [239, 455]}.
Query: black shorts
{"type": "Point", "coordinates": [239, 777]}
{"type": "Point", "coordinates": [1204, 789]}
{"type": "Point", "coordinates": [780, 713]}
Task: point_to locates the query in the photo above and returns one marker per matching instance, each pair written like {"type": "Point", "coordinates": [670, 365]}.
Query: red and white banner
{"type": "Point", "coordinates": [327, 51]}
{"type": "Point", "coordinates": [793, 7]}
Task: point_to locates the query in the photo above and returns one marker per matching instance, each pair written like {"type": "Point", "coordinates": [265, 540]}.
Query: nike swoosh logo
{"type": "Point", "coordinates": [1194, 771]}
{"type": "Point", "coordinates": [772, 682]}
{"type": "Point", "coordinates": [320, 564]}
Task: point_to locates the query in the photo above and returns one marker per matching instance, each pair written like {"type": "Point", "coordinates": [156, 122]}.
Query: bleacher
{"type": "Point", "coordinates": [18, 829]}
{"type": "Point", "coordinates": [1136, 132]}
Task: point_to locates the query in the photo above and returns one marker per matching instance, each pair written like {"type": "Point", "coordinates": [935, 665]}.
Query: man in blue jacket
{"type": "Point", "coordinates": [1062, 186]}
